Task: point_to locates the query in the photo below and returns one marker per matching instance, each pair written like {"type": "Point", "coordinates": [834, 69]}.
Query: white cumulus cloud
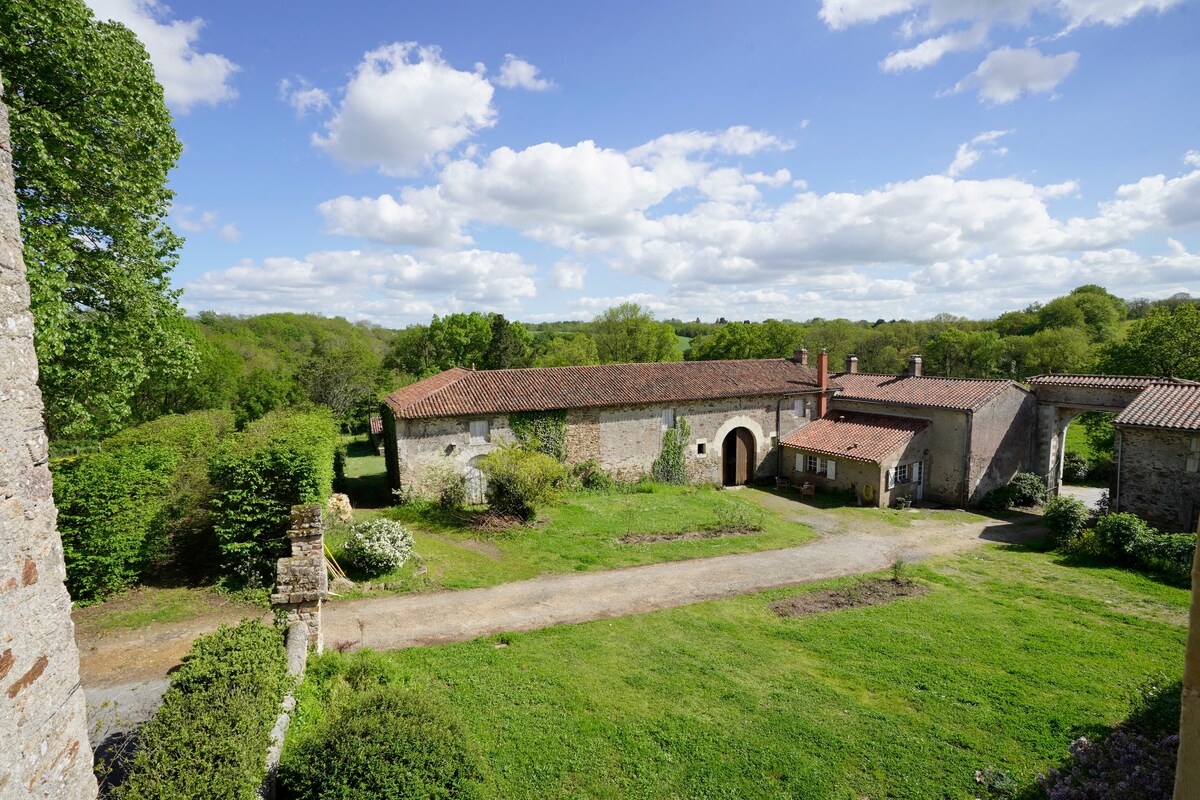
{"type": "Point", "coordinates": [403, 106]}
{"type": "Point", "coordinates": [517, 73]}
{"type": "Point", "coordinates": [189, 77]}
{"type": "Point", "coordinates": [1007, 73]}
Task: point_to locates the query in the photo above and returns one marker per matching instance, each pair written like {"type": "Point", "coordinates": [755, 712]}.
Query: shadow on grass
{"type": "Point", "coordinates": [1140, 749]}
{"type": "Point", "coordinates": [368, 491]}
{"type": "Point", "coordinates": [360, 448]}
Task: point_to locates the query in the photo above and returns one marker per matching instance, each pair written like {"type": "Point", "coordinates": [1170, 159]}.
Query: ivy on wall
{"type": "Point", "coordinates": [541, 432]}
{"type": "Point", "coordinates": [670, 466]}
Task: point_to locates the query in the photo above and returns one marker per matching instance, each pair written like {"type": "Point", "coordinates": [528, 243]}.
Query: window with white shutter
{"type": "Point", "coordinates": [800, 463]}
{"type": "Point", "coordinates": [830, 469]}
{"type": "Point", "coordinates": [891, 479]}
{"type": "Point", "coordinates": [479, 430]}
{"type": "Point", "coordinates": [668, 419]}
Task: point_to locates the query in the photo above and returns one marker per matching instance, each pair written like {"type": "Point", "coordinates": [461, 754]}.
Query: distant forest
{"type": "Point", "coordinates": [252, 365]}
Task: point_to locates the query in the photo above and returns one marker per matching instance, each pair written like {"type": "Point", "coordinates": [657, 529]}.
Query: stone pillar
{"type": "Point", "coordinates": [301, 583]}
{"type": "Point", "coordinates": [44, 750]}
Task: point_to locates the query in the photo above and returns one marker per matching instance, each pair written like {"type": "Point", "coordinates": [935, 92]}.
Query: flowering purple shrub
{"type": "Point", "coordinates": [1125, 765]}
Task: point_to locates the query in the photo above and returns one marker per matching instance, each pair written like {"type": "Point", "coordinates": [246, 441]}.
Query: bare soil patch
{"type": "Point", "coordinates": [862, 593]}
{"type": "Point", "coordinates": [643, 538]}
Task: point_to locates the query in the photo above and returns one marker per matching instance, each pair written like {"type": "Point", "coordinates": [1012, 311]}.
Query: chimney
{"type": "Point", "coordinates": [800, 357]}
{"type": "Point", "coordinates": [914, 365]}
{"type": "Point", "coordinates": [823, 383]}
{"type": "Point", "coordinates": [852, 364]}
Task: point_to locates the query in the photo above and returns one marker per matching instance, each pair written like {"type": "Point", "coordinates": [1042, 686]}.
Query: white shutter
{"type": "Point", "coordinates": [800, 463]}
{"type": "Point", "coordinates": [830, 469]}
{"type": "Point", "coordinates": [479, 430]}
{"type": "Point", "coordinates": [891, 479]}
{"type": "Point", "coordinates": [668, 419]}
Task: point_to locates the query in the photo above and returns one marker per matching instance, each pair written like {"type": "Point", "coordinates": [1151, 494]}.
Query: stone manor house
{"type": "Point", "coordinates": [882, 437]}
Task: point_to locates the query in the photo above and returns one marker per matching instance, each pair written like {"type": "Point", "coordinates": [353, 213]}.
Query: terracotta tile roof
{"type": "Point", "coordinates": [1164, 405]}
{"type": "Point", "coordinates": [860, 437]}
{"type": "Point", "coordinates": [460, 392]}
{"type": "Point", "coordinates": [961, 394]}
{"type": "Point", "coordinates": [1098, 381]}
{"type": "Point", "coordinates": [375, 423]}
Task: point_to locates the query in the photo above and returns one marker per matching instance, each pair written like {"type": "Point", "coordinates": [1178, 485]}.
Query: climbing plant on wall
{"type": "Point", "coordinates": [541, 432]}
{"type": "Point", "coordinates": [670, 466]}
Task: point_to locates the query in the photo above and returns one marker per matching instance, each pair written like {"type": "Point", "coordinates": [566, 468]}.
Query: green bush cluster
{"type": "Point", "coordinates": [445, 482]}
{"type": "Point", "coordinates": [519, 480]}
{"type": "Point", "coordinates": [281, 460]}
{"type": "Point", "coordinates": [671, 464]}
{"type": "Point", "coordinates": [383, 742]}
{"type": "Point", "coordinates": [589, 475]}
{"type": "Point", "coordinates": [1025, 489]}
{"type": "Point", "coordinates": [111, 508]}
{"type": "Point", "coordinates": [1066, 518]}
{"type": "Point", "coordinates": [1128, 539]}
{"type": "Point", "coordinates": [210, 737]}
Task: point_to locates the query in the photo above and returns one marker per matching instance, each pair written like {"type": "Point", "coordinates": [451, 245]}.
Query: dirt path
{"type": "Point", "coordinates": [389, 623]}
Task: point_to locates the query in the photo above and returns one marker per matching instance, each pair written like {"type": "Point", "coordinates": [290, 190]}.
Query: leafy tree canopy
{"type": "Point", "coordinates": [92, 146]}
{"type": "Point", "coordinates": [628, 333]}
{"type": "Point", "coordinates": [1165, 343]}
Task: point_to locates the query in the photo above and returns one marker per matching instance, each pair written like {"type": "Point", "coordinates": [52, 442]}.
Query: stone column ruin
{"type": "Point", "coordinates": [301, 583]}
{"type": "Point", "coordinates": [44, 749]}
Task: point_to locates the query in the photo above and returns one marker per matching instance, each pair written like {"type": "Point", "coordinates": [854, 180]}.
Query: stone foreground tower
{"type": "Point", "coordinates": [44, 750]}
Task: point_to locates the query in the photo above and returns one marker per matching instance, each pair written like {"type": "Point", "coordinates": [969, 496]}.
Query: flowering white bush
{"type": "Point", "coordinates": [378, 545]}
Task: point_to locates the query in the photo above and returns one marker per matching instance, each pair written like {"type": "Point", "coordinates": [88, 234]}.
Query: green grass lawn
{"type": "Point", "coordinates": [1011, 655]}
{"type": "Point", "coordinates": [580, 533]}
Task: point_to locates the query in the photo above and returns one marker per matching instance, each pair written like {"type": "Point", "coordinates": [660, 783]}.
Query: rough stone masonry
{"type": "Point", "coordinates": [44, 751]}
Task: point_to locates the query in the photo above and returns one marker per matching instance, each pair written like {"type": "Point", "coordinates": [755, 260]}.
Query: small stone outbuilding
{"type": "Point", "coordinates": [1156, 456]}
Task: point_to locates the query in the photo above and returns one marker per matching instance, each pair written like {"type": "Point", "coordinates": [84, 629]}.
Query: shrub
{"type": "Point", "coordinates": [378, 546]}
{"type": "Point", "coordinates": [1066, 518]}
{"type": "Point", "coordinates": [1117, 534]}
{"type": "Point", "coordinates": [1028, 489]}
{"type": "Point", "coordinates": [671, 464]}
{"type": "Point", "coordinates": [281, 460]}
{"type": "Point", "coordinates": [383, 742]}
{"type": "Point", "coordinates": [1169, 554]}
{"type": "Point", "coordinates": [519, 480]}
{"type": "Point", "coordinates": [446, 482]}
{"type": "Point", "coordinates": [998, 499]}
{"type": "Point", "coordinates": [738, 518]}
{"type": "Point", "coordinates": [591, 476]}
{"type": "Point", "coordinates": [211, 734]}
{"type": "Point", "coordinates": [1075, 468]}
{"type": "Point", "coordinates": [110, 505]}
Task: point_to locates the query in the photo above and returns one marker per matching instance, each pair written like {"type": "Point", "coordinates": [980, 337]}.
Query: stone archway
{"type": "Point", "coordinates": [737, 457]}
{"type": "Point", "coordinates": [1062, 398]}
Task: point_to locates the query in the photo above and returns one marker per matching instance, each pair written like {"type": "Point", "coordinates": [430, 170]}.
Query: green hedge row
{"type": "Point", "coordinates": [283, 459]}
{"type": "Point", "coordinates": [210, 737]}
{"type": "Point", "coordinates": [139, 500]}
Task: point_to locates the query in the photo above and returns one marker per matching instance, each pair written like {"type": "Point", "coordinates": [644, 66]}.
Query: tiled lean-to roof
{"type": "Point", "coordinates": [926, 391]}
{"type": "Point", "coordinates": [464, 392]}
{"type": "Point", "coordinates": [1164, 405]}
{"type": "Point", "coordinates": [1097, 381]}
{"type": "Point", "coordinates": [861, 437]}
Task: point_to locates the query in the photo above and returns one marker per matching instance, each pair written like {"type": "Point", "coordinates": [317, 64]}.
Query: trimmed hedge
{"type": "Point", "coordinates": [281, 460]}
{"type": "Point", "coordinates": [139, 500]}
{"type": "Point", "coordinates": [210, 737]}
{"type": "Point", "coordinates": [111, 506]}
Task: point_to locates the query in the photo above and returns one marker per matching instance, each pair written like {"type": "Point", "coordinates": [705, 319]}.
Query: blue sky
{"type": "Point", "coordinates": [856, 158]}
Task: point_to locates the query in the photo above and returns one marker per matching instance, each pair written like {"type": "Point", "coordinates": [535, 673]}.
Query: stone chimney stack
{"type": "Point", "coordinates": [852, 364]}
{"type": "Point", "coordinates": [800, 357]}
{"type": "Point", "coordinates": [914, 365]}
{"type": "Point", "coordinates": [823, 383]}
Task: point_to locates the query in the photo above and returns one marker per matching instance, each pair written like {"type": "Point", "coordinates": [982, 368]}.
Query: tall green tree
{"type": "Point", "coordinates": [573, 349]}
{"type": "Point", "coordinates": [1164, 343]}
{"type": "Point", "coordinates": [628, 334]}
{"type": "Point", "coordinates": [92, 146]}
{"type": "Point", "coordinates": [509, 345]}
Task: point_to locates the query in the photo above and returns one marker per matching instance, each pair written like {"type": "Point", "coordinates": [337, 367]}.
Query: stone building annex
{"type": "Point", "coordinates": [883, 437]}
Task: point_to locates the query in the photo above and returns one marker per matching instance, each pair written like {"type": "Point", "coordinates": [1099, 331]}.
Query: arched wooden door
{"type": "Point", "coordinates": [738, 454]}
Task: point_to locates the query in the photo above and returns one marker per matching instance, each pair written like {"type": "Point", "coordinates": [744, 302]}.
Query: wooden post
{"type": "Point", "coordinates": [1187, 770]}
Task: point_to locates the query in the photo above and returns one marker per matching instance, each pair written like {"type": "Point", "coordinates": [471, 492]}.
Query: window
{"type": "Point", "coordinates": [668, 419]}
{"type": "Point", "coordinates": [479, 430]}
{"type": "Point", "coordinates": [813, 464]}
{"type": "Point", "coordinates": [902, 473]}
{"type": "Point", "coordinates": [1193, 462]}
{"type": "Point", "coordinates": [800, 407]}
{"type": "Point", "coordinates": [701, 448]}
{"type": "Point", "coordinates": [821, 466]}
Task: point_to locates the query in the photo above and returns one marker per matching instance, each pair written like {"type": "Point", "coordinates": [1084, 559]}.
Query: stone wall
{"type": "Point", "coordinates": [44, 750]}
{"type": "Point", "coordinates": [1002, 442]}
{"type": "Point", "coordinates": [625, 440]}
{"type": "Point", "coordinates": [1153, 481]}
{"type": "Point", "coordinates": [854, 475]}
{"type": "Point", "coordinates": [301, 582]}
